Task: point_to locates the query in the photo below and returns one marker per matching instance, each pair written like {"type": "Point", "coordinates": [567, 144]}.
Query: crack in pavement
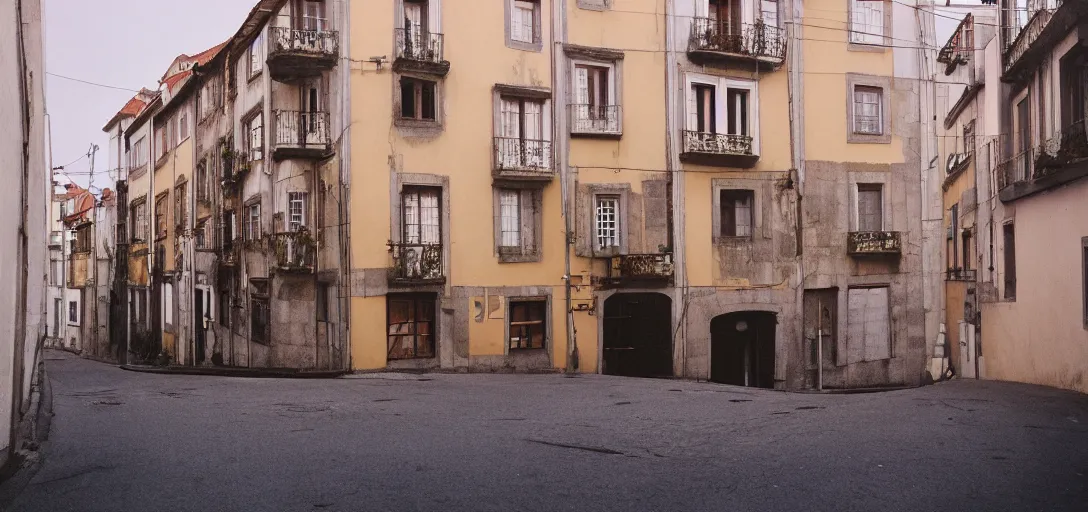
{"type": "Point", "coordinates": [594, 449]}
{"type": "Point", "coordinates": [79, 473]}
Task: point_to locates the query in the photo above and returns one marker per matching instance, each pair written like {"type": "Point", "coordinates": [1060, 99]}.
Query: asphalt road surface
{"type": "Point", "coordinates": [124, 441]}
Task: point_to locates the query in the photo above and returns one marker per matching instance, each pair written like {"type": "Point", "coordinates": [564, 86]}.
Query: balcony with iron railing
{"type": "Point", "coordinates": [300, 135]}
{"type": "Point", "coordinates": [758, 42]}
{"type": "Point", "coordinates": [960, 274]}
{"type": "Point", "coordinates": [416, 264]}
{"type": "Point", "coordinates": [1059, 160]}
{"type": "Point", "coordinates": [874, 243]}
{"type": "Point", "coordinates": [718, 149]}
{"type": "Point", "coordinates": [295, 251]}
{"type": "Point", "coordinates": [420, 51]}
{"type": "Point", "coordinates": [1029, 42]}
{"type": "Point", "coordinates": [596, 121]}
{"type": "Point", "coordinates": [640, 269]}
{"type": "Point", "coordinates": [523, 159]}
{"type": "Point", "coordinates": [295, 53]}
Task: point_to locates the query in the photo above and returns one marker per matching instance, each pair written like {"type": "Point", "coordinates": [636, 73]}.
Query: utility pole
{"type": "Point", "coordinates": [94, 252]}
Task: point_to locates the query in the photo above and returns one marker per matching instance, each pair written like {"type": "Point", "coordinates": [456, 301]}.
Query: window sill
{"type": "Point", "coordinates": [536, 47]}
{"type": "Point", "coordinates": [254, 76]}
{"type": "Point", "coordinates": [518, 257]}
{"type": "Point", "coordinates": [868, 138]}
{"type": "Point", "coordinates": [420, 127]}
{"type": "Point", "coordinates": [596, 135]}
{"type": "Point", "coordinates": [732, 241]}
{"type": "Point", "coordinates": [866, 47]}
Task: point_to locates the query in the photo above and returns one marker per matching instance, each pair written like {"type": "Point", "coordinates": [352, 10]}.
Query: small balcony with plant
{"type": "Point", "coordinates": [420, 51]}
{"type": "Point", "coordinates": [718, 149]}
{"type": "Point", "coordinates": [640, 270]}
{"type": "Point", "coordinates": [299, 53]}
{"type": "Point", "coordinates": [415, 264]}
{"type": "Point", "coordinates": [716, 41]}
{"type": "Point", "coordinates": [295, 251]}
{"type": "Point", "coordinates": [874, 243]}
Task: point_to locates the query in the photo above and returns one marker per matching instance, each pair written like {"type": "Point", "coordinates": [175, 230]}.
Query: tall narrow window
{"type": "Point", "coordinates": [726, 16]}
{"type": "Point", "coordinates": [256, 62]}
{"type": "Point", "coordinates": [868, 110]}
{"type": "Point", "coordinates": [594, 105]}
{"type": "Point", "coordinates": [253, 222]}
{"type": "Point", "coordinates": [1023, 126]}
{"type": "Point", "coordinates": [607, 221]}
{"type": "Point", "coordinates": [702, 110]}
{"type": "Point", "coordinates": [183, 127]}
{"type": "Point", "coordinates": [523, 22]}
{"type": "Point", "coordinates": [181, 207]}
{"type": "Point", "coordinates": [296, 211]}
{"type": "Point", "coordinates": [1010, 261]}
{"type": "Point", "coordinates": [770, 12]}
{"type": "Point", "coordinates": [418, 99]}
{"type": "Point", "coordinates": [870, 207]}
{"type": "Point", "coordinates": [410, 323]}
{"type": "Point", "coordinates": [255, 127]}
{"type": "Point", "coordinates": [510, 213]}
{"type": "Point", "coordinates": [421, 216]}
{"type": "Point", "coordinates": [738, 111]}
{"type": "Point", "coordinates": [736, 213]}
{"type": "Point", "coordinates": [259, 311]}
{"type": "Point", "coordinates": [967, 248]}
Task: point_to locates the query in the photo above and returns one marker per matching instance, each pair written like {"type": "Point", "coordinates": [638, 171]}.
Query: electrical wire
{"type": "Point", "coordinates": [96, 84]}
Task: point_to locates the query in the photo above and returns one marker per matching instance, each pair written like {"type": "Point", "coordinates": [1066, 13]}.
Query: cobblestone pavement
{"type": "Point", "coordinates": [140, 442]}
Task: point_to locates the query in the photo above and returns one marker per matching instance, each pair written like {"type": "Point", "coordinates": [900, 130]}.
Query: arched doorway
{"type": "Point", "coordinates": [742, 349]}
{"type": "Point", "coordinates": [638, 335]}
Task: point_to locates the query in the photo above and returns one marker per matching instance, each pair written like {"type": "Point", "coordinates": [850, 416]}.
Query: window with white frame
{"type": "Point", "coordinates": [296, 211]}
{"type": "Point", "coordinates": [523, 139]}
{"type": "Point", "coordinates": [867, 21]}
{"type": "Point", "coordinates": [595, 107]}
{"type": "Point", "coordinates": [137, 155]}
{"type": "Point", "coordinates": [230, 228]}
{"type": "Point", "coordinates": [183, 127]}
{"type": "Point", "coordinates": [313, 15]}
{"type": "Point", "coordinates": [167, 304]}
{"type": "Point", "coordinates": [523, 21]}
{"type": "Point", "coordinates": [200, 234]}
{"type": "Point", "coordinates": [769, 10]}
{"type": "Point", "coordinates": [202, 180]}
{"type": "Point", "coordinates": [139, 221]}
{"type": "Point", "coordinates": [722, 115]}
{"type": "Point", "coordinates": [253, 222]}
{"type": "Point", "coordinates": [172, 123]}
{"type": "Point", "coordinates": [510, 218]}
{"type": "Point", "coordinates": [606, 221]}
{"type": "Point", "coordinates": [255, 138]}
{"type": "Point", "coordinates": [256, 60]}
{"type": "Point", "coordinates": [868, 110]}
{"type": "Point", "coordinates": [421, 218]}
{"type": "Point", "coordinates": [736, 213]}
{"type": "Point", "coordinates": [870, 207]}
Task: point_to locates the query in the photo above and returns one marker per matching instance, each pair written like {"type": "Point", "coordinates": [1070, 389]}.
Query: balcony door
{"type": "Point", "coordinates": [312, 112]}
{"type": "Point", "coordinates": [310, 15]}
{"type": "Point", "coordinates": [523, 133]}
{"type": "Point", "coordinates": [725, 16]}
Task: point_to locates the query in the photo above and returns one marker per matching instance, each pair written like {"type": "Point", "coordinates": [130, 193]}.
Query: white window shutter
{"type": "Point", "coordinates": [693, 108]}
{"type": "Point", "coordinates": [510, 116]}
{"type": "Point", "coordinates": [581, 76]}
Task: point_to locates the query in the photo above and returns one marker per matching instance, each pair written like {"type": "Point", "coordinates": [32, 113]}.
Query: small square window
{"type": "Point", "coordinates": [868, 110]}
{"type": "Point", "coordinates": [255, 130]}
{"type": "Point", "coordinates": [418, 99]}
{"type": "Point", "coordinates": [867, 21]}
{"type": "Point", "coordinates": [528, 324]}
{"type": "Point", "coordinates": [737, 213]}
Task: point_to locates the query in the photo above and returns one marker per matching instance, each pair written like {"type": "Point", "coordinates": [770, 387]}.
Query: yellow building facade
{"type": "Point", "coordinates": [678, 169]}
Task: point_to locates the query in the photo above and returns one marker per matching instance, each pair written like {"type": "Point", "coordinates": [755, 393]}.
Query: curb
{"type": "Point", "coordinates": [33, 431]}
{"type": "Point", "coordinates": [252, 373]}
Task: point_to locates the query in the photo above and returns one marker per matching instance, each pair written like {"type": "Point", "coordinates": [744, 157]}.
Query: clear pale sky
{"type": "Point", "coordinates": [121, 43]}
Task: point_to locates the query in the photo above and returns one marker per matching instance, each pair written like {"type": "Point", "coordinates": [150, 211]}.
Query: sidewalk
{"type": "Point", "coordinates": [222, 371]}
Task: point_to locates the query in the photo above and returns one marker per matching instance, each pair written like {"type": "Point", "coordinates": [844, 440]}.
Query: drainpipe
{"type": "Point", "coordinates": [672, 165]}
{"type": "Point", "coordinates": [796, 90]}
{"type": "Point", "coordinates": [561, 150]}
{"type": "Point", "coordinates": [343, 207]}
{"type": "Point", "coordinates": [20, 310]}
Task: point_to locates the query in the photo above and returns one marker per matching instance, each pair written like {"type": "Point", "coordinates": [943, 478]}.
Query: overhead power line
{"type": "Point", "coordinates": [91, 83]}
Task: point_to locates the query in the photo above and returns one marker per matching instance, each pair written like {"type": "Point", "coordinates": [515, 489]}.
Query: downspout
{"type": "Point", "coordinates": [343, 220]}
{"type": "Point", "coordinates": [677, 180]}
{"type": "Point", "coordinates": [559, 136]}
{"type": "Point", "coordinates": [190, 222]}
{"type": "Point", "coordinates": [796, 91]}
{"type": "Point", "coordinates": [20, 311]}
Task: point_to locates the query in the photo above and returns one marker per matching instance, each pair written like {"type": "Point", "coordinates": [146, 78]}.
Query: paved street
{"type": "Point", "coordinates": [140, 442]}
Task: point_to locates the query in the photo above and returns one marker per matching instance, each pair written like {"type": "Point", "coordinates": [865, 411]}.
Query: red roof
{"type": "Point", "coordinates": [132, 108]}
{"type": "Point", "coordinates": [173, 80]}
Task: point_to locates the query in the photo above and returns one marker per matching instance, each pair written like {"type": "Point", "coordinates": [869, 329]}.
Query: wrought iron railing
{"type": "Point", "coordinates": [641, 266]}
{"type": "Point", "coordinates": [753, 40]}
{"type": "Point", "coordinates": [296, 129]}
{"type": "Point", "coordinates": [1029, 33]}
{"type": "Point", "coordinates": [717, 143]}
{"type": "Point", "coordinates": [297, 250]}
{"type": "Point", "coordinates": [419, 45]}
{"type": "Point", "coordinates": [324, 43]}
{"type": "Point", "coordinates": [523, 154]}
{"type": "Point", "coordinates": [1066, 146]}
{"type": "Point", "coordinates": [874, 242]}
{"type": "Point", "coordinates": [595, 118]}
{"type": "Point", "coordinates": [416, 262]}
